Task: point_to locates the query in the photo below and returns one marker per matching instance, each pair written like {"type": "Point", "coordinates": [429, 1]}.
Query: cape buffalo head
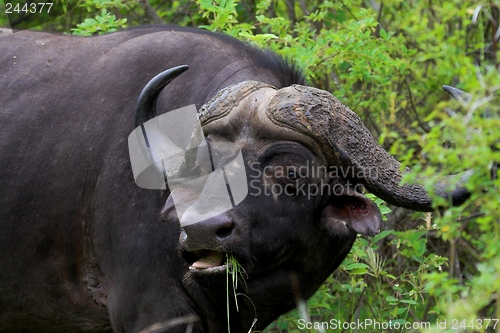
{"type": "Point", "coordinates": [306, 159]}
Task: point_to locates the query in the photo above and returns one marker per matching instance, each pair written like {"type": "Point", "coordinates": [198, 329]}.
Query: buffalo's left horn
{"type": "Point", "coordinates": [145, 108]}
{"type": "Point", "coordinates": [347, 143]}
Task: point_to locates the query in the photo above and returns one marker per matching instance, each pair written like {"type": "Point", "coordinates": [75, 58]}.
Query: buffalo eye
{"type": "Point", "coordinates": [293, 175]}
{"type": "Point", "coordinates": [296, 174]}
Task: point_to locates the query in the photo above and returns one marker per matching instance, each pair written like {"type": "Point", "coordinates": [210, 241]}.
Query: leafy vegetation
{"type": "Point", "coordinates": [100, 24]}
{"type": "Point", "coordinates": [234, 273]}
{"type": "Point", "coordinates": [387, 60]}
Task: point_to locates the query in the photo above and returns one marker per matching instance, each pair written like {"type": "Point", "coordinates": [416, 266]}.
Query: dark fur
{"type": "Point", "coordinates": [82, 248]}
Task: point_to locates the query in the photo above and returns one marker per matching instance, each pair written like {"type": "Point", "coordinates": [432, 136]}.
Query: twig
{"type": "Point", "coordinates": [303, 6]}
{"type": "Point", "coordinates": [356, 308]}
{"type": "Point", "coordinates": [290, 8]}
{"type": "Point", "coordinates": [150, 13]}
{"type": "Point", "coordinates": [348, 10]}
{"type": "Point", "coordinates": [414, 108]}
{"type": "Point", "coordinates": [379, 18]}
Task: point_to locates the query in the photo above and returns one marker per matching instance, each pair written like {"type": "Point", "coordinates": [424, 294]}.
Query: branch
{"type": "Point", "coordinates": [379, 20]}
{"type": "Point", "coordinates": [414, 108]}
{"type": "Point", "coordinates": [303, 7]}
{"type": "Point", "coordinates": [348, 10]}
{"type": "Point", "coordinates": [290, 8]}
{"type": "Point", "coordinates": [150, 13]}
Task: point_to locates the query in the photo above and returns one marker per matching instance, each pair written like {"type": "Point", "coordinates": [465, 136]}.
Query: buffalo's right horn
{"type": "Point", "coordinates": [347, 143]}
{"type": "Point", "coordinates": [332, 130]}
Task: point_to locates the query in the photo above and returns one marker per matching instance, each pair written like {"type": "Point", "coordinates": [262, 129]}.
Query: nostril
{"type": "Point", "coordinates": [225, 232]}
{"type": "Point", "coordinates": [210, 234]}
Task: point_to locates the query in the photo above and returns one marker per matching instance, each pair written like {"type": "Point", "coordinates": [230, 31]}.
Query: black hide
{"type": "Point", "coordinates": [82, 248]}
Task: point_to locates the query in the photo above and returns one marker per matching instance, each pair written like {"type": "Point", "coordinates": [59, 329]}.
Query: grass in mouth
{"type": "Point", "coordinates": [234, 271]}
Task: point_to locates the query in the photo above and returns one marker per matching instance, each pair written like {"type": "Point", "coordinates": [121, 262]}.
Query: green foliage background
{"type": "Point", "coordinates": [387, 60]}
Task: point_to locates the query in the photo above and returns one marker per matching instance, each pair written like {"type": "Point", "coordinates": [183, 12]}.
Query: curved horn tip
{"type": "Point", "coordinates": [146, 103]}
{"type": "Point", "coordinates": [456, 93]}
{"type": "Point", "coordinates": [459, 196]}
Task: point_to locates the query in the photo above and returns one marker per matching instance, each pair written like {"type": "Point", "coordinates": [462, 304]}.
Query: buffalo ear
{"type": "Point", "coordinates": [351, 211]}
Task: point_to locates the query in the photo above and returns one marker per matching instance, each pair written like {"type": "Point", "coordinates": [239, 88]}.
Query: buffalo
{"type": "Point", "coordinates": [83, 248]}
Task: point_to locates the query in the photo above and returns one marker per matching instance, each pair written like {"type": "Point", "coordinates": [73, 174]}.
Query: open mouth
{"type": "Point", "coordinates": [207, 261]}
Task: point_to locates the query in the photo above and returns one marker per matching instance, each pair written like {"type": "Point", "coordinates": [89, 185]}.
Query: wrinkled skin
{"type": "Point", "coordinates": [83, 249]}
{"type": "Point", "coordinates": [287, 243]}
{"type": "Point", "coordinates": [279, 243]}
